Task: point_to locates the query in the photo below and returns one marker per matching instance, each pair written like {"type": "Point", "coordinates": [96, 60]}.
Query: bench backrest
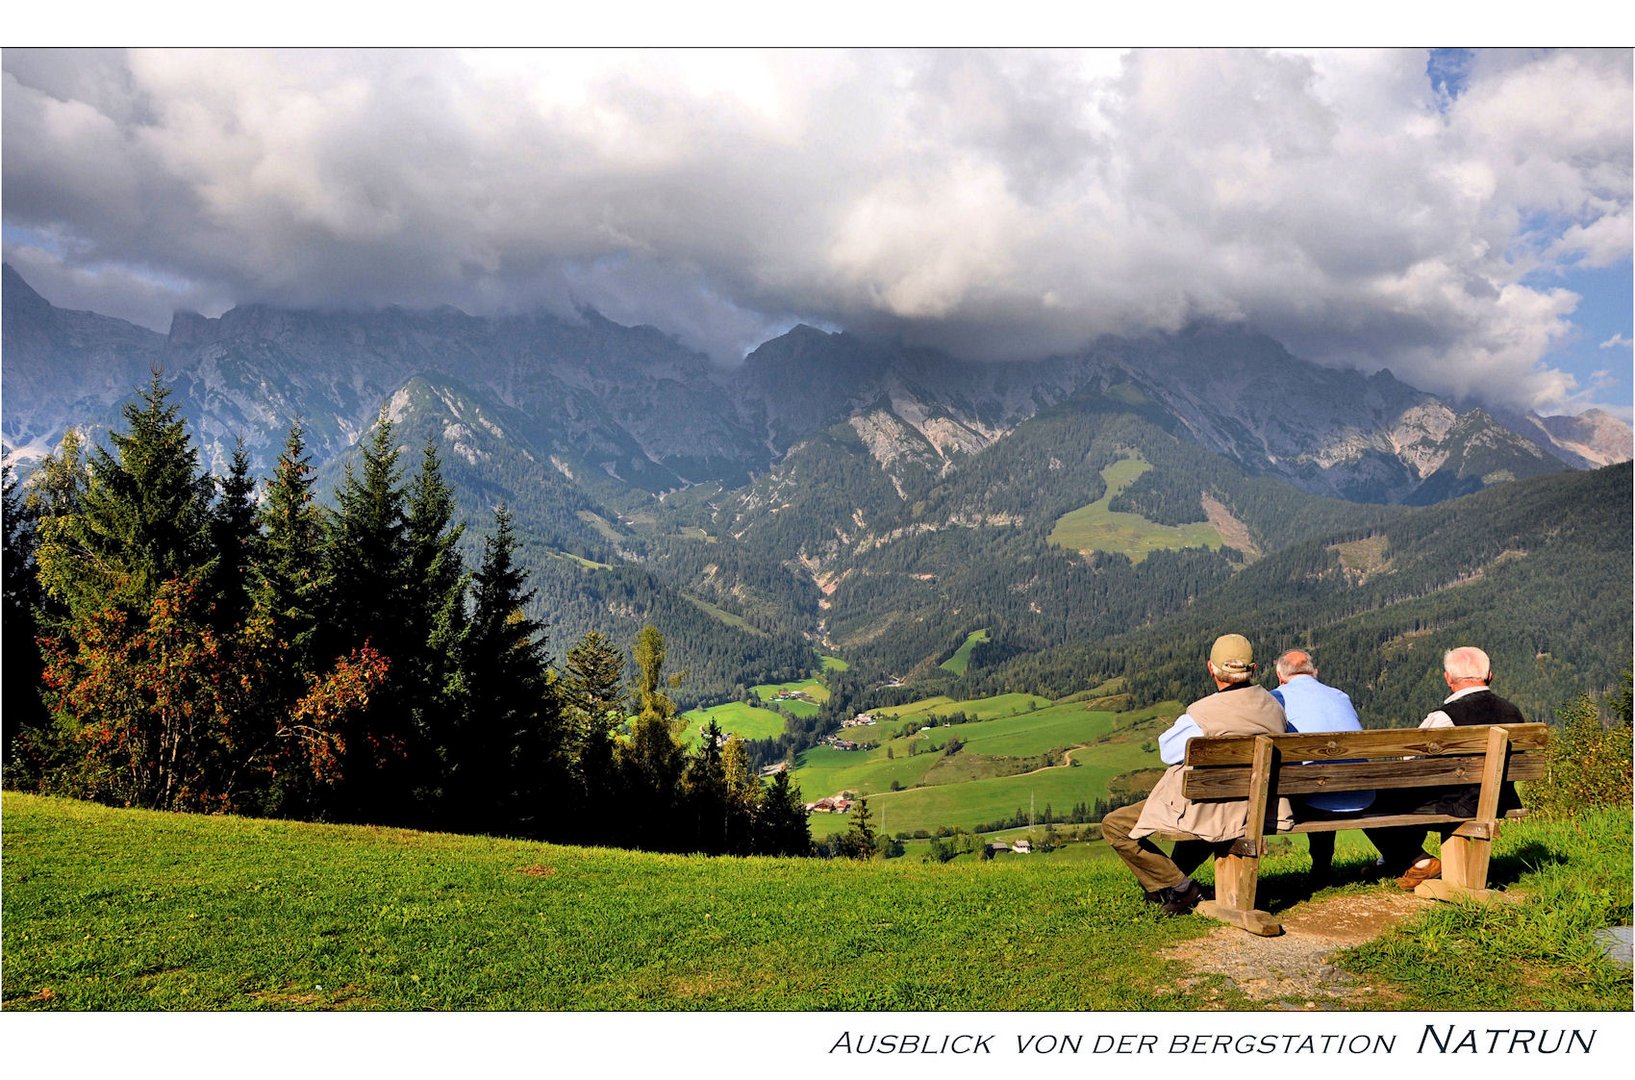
{"type": "Point", "coordinates": [1304, 764]}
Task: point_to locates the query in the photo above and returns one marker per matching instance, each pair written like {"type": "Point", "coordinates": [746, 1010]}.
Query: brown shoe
{"type": "Point", "coordinates": [1182, 898]}
{"type": "Point", "coordinates": [1424, 868]}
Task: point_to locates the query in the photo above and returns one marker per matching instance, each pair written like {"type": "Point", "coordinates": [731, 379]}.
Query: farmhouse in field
{"type": "Point", "coordinates": [862, 719]}
{"type": "Point", "coordinates": [1021, 847]}
{"type": "Point", "coordinates": [838, 803]}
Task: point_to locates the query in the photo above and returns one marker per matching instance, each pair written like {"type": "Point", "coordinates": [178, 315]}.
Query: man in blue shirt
{"type": "Point", "coordinates": [1311, 706]}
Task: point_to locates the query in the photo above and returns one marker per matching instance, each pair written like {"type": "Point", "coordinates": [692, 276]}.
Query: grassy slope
{"type": "Point", "coordinates": [1096, 528]}
{"type": "Point", "coordinates": [812, 688]}
{"type": "Point", "coordinates": [982, 783]}
{"type": "Point", "coordinates": [734, 718]}
{"type": "Point", "coordinates": [961, 660]}
{"type": "Point", "coordinates": [118, 909]}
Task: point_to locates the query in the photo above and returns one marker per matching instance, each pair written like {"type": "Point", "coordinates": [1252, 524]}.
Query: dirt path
{"type": "Point", "coordinates": [1292, 971]}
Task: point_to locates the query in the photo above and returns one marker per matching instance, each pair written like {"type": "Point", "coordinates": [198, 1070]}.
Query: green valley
{"type": "Point", "coordinates": [940, 763]}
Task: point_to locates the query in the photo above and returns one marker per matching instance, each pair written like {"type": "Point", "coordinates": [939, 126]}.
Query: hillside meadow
{"type": "Point", "coordinates": [1019, 752]}
{"type": "Point", "coordinates": [1095, 527]}
{"type": "Point", "coordinates": [125, 909]}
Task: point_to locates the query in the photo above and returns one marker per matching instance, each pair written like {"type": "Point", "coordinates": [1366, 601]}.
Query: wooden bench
{"type": "Point", "coordinates": [1261, 768]}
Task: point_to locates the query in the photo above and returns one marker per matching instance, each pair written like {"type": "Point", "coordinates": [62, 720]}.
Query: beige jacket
{"type": "Point", "coordinates": [1249, 711]}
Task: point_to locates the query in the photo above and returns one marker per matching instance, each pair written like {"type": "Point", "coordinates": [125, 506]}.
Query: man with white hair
{"type": "Point", "coordinates": [1468, 673]}
{"type": "Point", "coordinates": [1314, 706]}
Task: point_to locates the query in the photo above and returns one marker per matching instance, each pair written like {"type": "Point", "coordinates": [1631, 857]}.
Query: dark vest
{"type": "Point", "coordinates": [1484, 707]}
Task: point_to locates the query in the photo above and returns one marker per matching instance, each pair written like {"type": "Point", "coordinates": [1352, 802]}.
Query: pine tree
{"type": "Point", "coordinates": [289, 569]}
{"type": "Point", "coordinates": [651, 762]}
{"type": "Point", "coordinates": [143, 517]}
{"type": "Point", "coordinates": [781, 824]}
{"type": "Point", "coordinates": [366, 553]}
{"type": "Point", "coordinates": [505, 761]}
{"type": "Point", "coordinates": [593, 699]}
{"type": "Point", "coordinates": [704, 788]}
{"type": "Point", "coordinates": [860, 841]}
{"type": "Point", "coordinates": [134, 669]}
{"type": "Point", "coordinates": [235, 540]}
{"type": "Point", "coordinates": [435, 583]}
{"type": "Point", "coordinates": [363, 606]}
{"type": "Point", "coordinates": [20, 693]}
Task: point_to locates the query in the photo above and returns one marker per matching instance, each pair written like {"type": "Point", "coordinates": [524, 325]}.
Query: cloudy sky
{"type": "Point", "coordinates": [1463, 218]}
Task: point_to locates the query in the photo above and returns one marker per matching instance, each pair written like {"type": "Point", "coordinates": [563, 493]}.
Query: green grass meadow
{"type": "Point", "coordinates": [136, 910]}
{"type": "Point", "coordinates": [1096, 528]}
{"type": "Point", "coordinates": [1010, 760]}
{"type": "Point", "coordinates": [961, 660]}
{"type": "Point", "coordinates": [734, 718]}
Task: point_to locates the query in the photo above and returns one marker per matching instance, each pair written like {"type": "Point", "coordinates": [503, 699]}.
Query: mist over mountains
{"type": "Point", "coordinates": [834, 492]}
{"type": "Point", "coordinates": [651, 415]}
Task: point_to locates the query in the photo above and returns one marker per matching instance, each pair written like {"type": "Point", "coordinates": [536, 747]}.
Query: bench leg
{"type": "Point", "coordinates": [1236, 878]}
{"type": "Point", "coordinates": [1466, 851]}
{"type": "Point", "coordinates": [1464, 870]}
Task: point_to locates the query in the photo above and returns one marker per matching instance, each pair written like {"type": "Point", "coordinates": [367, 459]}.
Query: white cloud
{"type": "Point", "coordinates": [991, 202]}
{"type": "Point", "coordinates": [1616, 341]}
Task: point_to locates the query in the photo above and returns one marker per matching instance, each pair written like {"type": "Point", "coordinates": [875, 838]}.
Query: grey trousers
{"type": "Point", "coordinates": [1146, 861]}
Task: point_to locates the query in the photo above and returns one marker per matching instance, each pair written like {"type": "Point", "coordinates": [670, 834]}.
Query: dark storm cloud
{"type": "Point", "coordinates": [994, 203]}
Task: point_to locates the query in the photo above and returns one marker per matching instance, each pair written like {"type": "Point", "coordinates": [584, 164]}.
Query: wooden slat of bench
{"type": "Point", "coordinates": [1364, 820]}
{"type": "Point", "coordinates": [1233, 782]}
{"type": "Point", "coordinates": [1361, 820]}
{"type": "Point", "coordinates": [1387, 742]}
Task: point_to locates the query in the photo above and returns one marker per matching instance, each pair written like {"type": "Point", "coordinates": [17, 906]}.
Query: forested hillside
{"type": "Point", "coordinates": [1537, 573]}
{"type": "Point", "coordinates": [907, 576]}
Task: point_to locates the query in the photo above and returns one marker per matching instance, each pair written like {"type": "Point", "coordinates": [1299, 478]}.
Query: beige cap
{"type": "Point", "coordinates": [1232, 652]}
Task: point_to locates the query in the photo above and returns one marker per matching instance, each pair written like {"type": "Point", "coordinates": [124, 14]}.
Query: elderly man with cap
{"type": "Point", "coordinates": [1238, 707]}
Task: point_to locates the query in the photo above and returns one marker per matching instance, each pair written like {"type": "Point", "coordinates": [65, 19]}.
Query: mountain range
{"type": "Point", "coordinates": [634, 404]}
{"type": "Point", "coordinates": [833, 491]}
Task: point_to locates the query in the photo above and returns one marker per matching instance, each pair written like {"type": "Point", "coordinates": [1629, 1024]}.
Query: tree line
{"type": "Point", "coordinates": [173, 640]}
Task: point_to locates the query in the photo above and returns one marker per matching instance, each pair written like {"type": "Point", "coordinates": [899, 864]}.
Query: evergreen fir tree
{"type": "Point", "coordinates": [20, 692]}
{"type": "Point", "coordinates": [781, 824]}
{"type": "Point", "coordinates": [860, 841]}
{"type": "Point", "coordinates": [366, 553]}
{"type": "Point", "coordinates": [289, 569]}
{"type": "Point", "coordinates": [651, 762]}
{"type": "Point", "coordinates": [235, 540]}
{"type": "Point", "coordinates": [435, 582]}
{"type": "Point", "coordinates": [364, 605]}
{"type": "Point", "coordinates": [704, 787]}
{"type": "Point", "coordinates": [143, 516]}
{"type": "Point", "coordinates": [593, 699]}
{"type": "Point", "coordinates": [505, 761]}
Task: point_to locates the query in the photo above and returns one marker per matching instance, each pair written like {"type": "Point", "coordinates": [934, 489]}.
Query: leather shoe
{"type": "Point", "coordinates": [1424, 868]}
{"type": "Point", "coordinates": [1181, 899]}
